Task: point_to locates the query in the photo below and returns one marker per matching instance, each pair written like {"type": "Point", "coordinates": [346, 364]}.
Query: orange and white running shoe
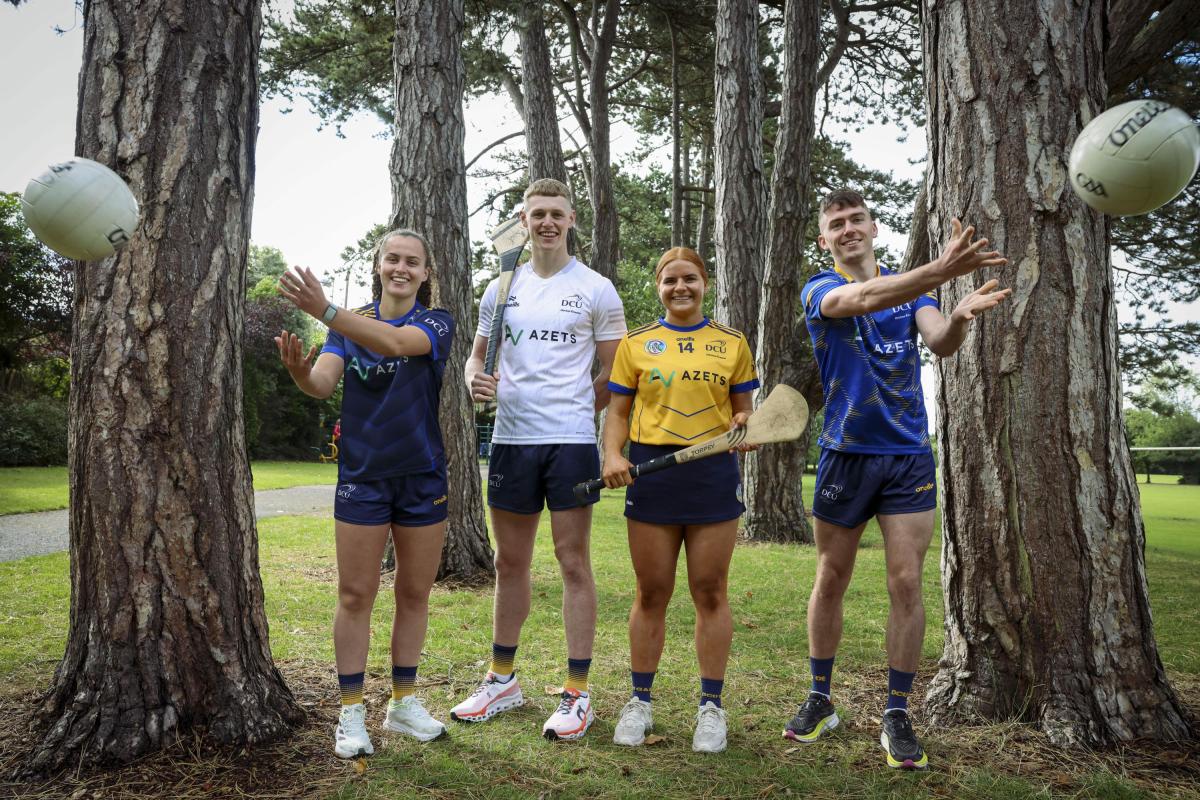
{"type": "Point", "coordinates": [572, 718]}
{"type": "Point", "coordinates": [489, 699]}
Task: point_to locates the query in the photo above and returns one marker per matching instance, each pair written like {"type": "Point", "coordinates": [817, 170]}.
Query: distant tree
{"type": "Point", "coordinates": [429, 194]}
{"type": "Point", "coordinates": [167, 629]}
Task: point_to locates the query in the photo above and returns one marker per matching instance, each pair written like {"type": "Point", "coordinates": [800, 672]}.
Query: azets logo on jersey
{"type": "Point", "coordinates": [656, 347]}
{"type": "Point", "coordinates": [539, 336]}
{"type": "Point", "coordinates": [656, 375]}
{"type": "Point", "coordinates": [892, 348]}
{"type": "Point", "coordinates": [366, 371]}
{"type": "Point", "coordinates": [831, 491]}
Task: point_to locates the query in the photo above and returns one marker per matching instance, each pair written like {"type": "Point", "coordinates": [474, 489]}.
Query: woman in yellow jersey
{"type": "Point", "coordinates": [676, 382]}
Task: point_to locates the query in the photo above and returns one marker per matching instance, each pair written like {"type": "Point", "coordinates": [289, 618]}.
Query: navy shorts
{"type": "Point", "coordinates": [407, 500]}
{"type": "Point", "coordinates": [695, 493]}
{"type": "Point", "coordinates": [523, 477]}
{"type": "Point", "coordinates": [853, 487]}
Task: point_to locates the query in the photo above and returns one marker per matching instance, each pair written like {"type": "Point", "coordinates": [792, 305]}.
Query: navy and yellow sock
{"type": "Point", "coordinates": [577, 674]}
{"type": "Point", "coordinates": [899, 688]}
{"type": "Point", "coordinates": [351, 687]}
{"type": "Point", "coordinates": [502, 660]}
{"type": "Point", "coordinates": [642, 681]}
{"type": "Point", "coordinates": [822, 675]}
{"type": "Point", "coordinates": [710, 691]}
{"type": "Point", "coordinates": [404, 681]}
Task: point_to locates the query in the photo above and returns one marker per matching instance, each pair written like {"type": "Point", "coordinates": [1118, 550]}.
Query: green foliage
{"type": "Point", "coordinates": [36, 284]}
{"type": "Point", "coordinates": [1164, 415]}
{"type": "Point", "coordinates": [33, 432]}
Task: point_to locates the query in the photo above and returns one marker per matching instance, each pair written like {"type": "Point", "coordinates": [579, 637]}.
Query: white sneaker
{"type": "Point", "coordinates": [710, 729]}
{"type": "Point", "coordinates": [489, 699]}
{"type": "Point", "coordinates": [572, 718]}
{"type": "Point", "coordinates": [410, 716]}
{"type": "Point", "coordinates": [350, 738]}
{"type": "Point", "coordinates": [637, 719]}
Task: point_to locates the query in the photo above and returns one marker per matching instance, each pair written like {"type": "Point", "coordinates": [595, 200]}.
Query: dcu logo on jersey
{"type": "Point", "coordinates": [574, 301]}
{"type": "Point", "coordinates": [656, 347]}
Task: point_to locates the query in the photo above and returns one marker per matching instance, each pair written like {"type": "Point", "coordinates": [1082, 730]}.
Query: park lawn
{"type": "Point", "coordinates": [28, 489]}
{"type": "Point", "coordinates": [768, 591]}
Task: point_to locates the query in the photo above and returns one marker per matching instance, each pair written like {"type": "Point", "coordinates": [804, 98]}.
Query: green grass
{"type": "Point", "coordinates": [27, 489]}
{"type": "Point", "coordinates": [505, 758]}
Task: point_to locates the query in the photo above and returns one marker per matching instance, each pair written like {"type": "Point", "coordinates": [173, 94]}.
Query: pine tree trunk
{"type": "Point", "coordinates": [1047, 615]}
{"type": "Point", "coordinates": [605, 223]}
{"type": "Point", "coordinates": [740, 194]}
{"type": "Point", "coordinates": [429, 194]}
{"type": "Point", "coordinates": [704, 225]}
{"type": "Point", "coordinates": [541, 120]}
{"type": "Point", "coordinates": [676, 135]}
{"type": "Point", "coordinates": [774, 502]}
{"type": "Point", "coordinates": [167, 627]}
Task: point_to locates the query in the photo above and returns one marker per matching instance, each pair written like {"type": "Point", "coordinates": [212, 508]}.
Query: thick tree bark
{"type": "Point", "coordinates": [775, 505]}
{"type": "Point", "coordinates": [606, 228]}
{"type": "Point", "coordinates": [685, 202]}
{"type": "Point", "coordinates": [541, 118]}
{"type": "Point", "coordinates": [429, 194]}
{"type": "Point", "coordinates": [167, 627]}
{"type": "Point", "coordinates": [1047, 615]}
{"type": "Point", "coordinates": [1138, 43]}
{"type": "Point", "coordinates": [741, 197]}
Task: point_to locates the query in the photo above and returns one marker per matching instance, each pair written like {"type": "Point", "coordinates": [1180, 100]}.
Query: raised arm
{"type": "Point", "coordinates": [959, 257]}
{"type": "Point", "coordinates": [944, 336]}
{"type": "Point", "coordinates": [301, 288]}
{"type": "Point", "coordinates": [315, 380]}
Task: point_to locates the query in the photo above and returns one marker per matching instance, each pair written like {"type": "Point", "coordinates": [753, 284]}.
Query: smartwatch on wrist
{"type": "Point", "coordinates": [330, 312]}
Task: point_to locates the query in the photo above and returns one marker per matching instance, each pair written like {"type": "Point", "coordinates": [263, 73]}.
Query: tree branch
{"type": "Point", "coordinates": [496, 143]}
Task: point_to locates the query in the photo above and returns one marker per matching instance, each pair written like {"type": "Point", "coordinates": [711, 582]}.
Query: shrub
{"type": "Point", "coordinates": [33, 432]}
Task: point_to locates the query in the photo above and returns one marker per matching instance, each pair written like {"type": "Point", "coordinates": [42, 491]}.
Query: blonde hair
{"type": "Point", "coordinates": [549, 187]}
{"type": "Point", "coordinates": [425, 292]}
{"type": "Point", "coordinates": [681, 254]}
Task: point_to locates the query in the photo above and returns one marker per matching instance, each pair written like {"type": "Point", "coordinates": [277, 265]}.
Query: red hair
{"type": "Point", "coordinates": [681, 254]}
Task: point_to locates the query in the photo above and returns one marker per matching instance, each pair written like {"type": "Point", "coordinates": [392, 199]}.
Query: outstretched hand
{"type": "Point", "coordinates": [962, 256]}
{"type": "Point", "coordinates": [978, 301]}
{"type": "Point", "coordinates": [300, 287]}
{"type": "Point", "coordinates": [291, 353]}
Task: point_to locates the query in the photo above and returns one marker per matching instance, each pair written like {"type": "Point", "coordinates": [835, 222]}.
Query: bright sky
{"type": "Point", "coordinates": [315, 193]}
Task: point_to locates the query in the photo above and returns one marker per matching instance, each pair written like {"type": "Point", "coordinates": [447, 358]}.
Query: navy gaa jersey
{"type": "Point", "coordinates": [390, 405]}
{"type": "Point", "coordinates": [871, 370]}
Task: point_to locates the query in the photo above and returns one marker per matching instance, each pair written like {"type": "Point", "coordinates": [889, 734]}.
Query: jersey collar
{"type": "Point", "coordinates": [677, 329]}
{"type": "Point", "coordinates": [417, 308]}
{"type": "Point", "coordinates": [850, 277]}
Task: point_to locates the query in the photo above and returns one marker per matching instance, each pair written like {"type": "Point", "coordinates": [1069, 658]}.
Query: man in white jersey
{"type": "Point", "coordinates": [558, 316]}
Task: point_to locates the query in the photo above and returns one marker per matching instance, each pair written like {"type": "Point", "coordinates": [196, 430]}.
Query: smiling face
{"type": "Point", "coordinates": [848, 233]}
{"type": "Point", "coordinates": [548, 220]}
{"type": "Point", "coordinates": [681, 286]}
{"type": "Point", "coordinates": [402, 269]}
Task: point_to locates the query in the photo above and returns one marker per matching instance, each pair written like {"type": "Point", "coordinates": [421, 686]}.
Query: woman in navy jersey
{"type": "Point", "coordinates": [677, 382]}
{"type": "Point", "coordinates": [390, 355]}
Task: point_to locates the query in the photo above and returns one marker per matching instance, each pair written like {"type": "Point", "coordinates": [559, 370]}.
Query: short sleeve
{"type": "Point", "coordinates": [814, 292]}
{"type": "Point", "coordinates": [335, 343]}
{"type": "Point", "coordinates": [744, 379]}
{"type": "Point", "coordinates": [438, 325]}
{"type": "Point", "coordinates": [623, 379]}
{"type": "Point", "coordinates": [927, 299]}
{"type": "Point", "coordinates": [487, 305]}
{"type": "Point", "coordinates": [608, 315]}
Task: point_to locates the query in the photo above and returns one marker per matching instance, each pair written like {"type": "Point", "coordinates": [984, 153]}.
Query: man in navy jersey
{"type": "Point", "coordinates": [876, 459]}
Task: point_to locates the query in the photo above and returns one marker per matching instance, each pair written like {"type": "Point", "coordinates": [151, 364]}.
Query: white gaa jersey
{"type": "Point", "coordinates": [551, 326]}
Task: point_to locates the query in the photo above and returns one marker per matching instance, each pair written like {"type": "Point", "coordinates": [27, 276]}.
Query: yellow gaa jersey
{"type": "Point", "coordinates": [681, 379]}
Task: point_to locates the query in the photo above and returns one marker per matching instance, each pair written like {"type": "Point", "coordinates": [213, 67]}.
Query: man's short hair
{"type": "Point", "coordinates": [548, 187]}
{"type": "Point", "coordinates": [844, 198]}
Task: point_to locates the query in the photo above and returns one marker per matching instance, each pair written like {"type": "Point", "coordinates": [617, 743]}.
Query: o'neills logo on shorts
{"type": "Point", "coordinates": [440, 500]}
{"type": "Point", "coordinates": [926, 487]}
